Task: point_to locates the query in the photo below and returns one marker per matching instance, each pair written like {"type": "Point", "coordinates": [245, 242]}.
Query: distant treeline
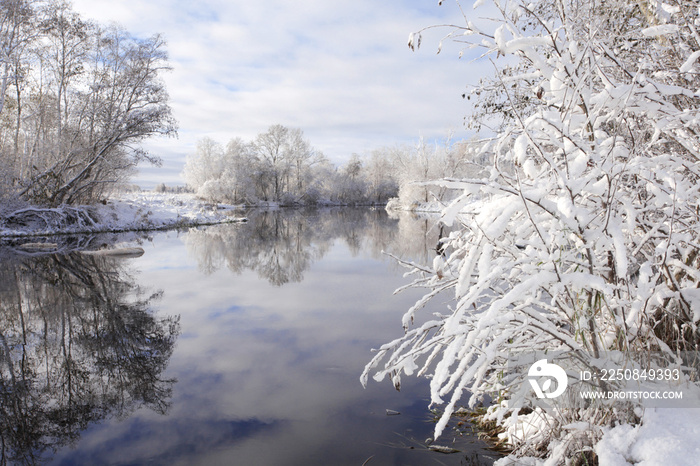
{"type": "Point", "coordinates": [281, 166]}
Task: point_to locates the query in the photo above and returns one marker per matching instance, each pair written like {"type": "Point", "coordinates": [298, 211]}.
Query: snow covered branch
{"type": "Point", "coordinates": [584, 234]}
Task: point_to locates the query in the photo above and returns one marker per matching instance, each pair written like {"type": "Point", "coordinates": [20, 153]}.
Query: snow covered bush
{"type": "Point", "coordinates": [586, 235]}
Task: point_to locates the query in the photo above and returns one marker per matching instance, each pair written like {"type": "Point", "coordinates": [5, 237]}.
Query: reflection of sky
{"type": "Point", "coordinates": [269, 374]}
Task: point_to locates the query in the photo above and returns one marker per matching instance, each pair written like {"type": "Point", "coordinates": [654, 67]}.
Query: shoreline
{"type": "Point", "coordinates": [136, 212]}
{"type": "Point", "coordinates": [131, 212]}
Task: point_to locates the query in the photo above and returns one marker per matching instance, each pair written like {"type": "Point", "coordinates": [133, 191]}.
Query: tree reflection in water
{"type": "Point", "coordinates": [78, 343]}
{"type": "Point", "coordinates": [281, 244]}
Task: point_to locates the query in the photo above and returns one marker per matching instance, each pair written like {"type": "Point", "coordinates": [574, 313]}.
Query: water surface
{"type": "Point", "coordinates": [231, 344]}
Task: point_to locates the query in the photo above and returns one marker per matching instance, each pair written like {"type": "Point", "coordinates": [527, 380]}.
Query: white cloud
{"type": "Point", "coordinates": [340, 71]}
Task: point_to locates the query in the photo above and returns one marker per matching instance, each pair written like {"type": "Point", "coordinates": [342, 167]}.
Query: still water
{"type": "Point", "coordinates": [230, 344]}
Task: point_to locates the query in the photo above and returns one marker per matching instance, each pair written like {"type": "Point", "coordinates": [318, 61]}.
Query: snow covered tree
{"type": "Point", "coordinates": [381, 180]}
{"type": "Point", "coordinates": [17, 33]}
{"type": "Point", "coordinates": [241, 166]}
{"type": "Point", "coordinates": [585, 238]}
{"type": "Point", "coordinates": [277, 164]}
{"type": "Point", "coordinates": [302, 157]}
{"type": "Point", "coordinates": [116, 101]}
{"type": "Point", "coordinates": [272, 148]}
{"type": "Point", "coordinates": [349, 185]}
{"type": "Point", "coordinates": [204, 169]}
{"type": "Point", "coordinates": [76, 99]}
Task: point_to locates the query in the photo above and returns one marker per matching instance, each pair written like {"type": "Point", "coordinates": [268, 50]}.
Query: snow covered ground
{"type": "Point", "coordinates": [667, 436]}
{"type": "Point", "coordinates": [131, 211]}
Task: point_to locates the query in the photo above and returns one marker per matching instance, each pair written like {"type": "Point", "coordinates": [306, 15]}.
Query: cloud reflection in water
{"type": "Point", "coordinates": [278, 317]}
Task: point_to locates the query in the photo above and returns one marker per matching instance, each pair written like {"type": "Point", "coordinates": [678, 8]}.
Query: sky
{"type": "Point", "coordinates": [341, 71]}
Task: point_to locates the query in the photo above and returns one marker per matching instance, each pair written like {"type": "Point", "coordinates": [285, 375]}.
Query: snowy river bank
{"type": "Point", "coordinates": [140, 211]}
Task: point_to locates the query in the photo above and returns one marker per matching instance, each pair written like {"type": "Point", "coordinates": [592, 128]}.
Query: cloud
{"type": "Point", "coordinates": [340, 71]}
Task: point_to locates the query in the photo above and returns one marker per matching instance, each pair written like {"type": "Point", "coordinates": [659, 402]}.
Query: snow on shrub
{"type": "Point", "coordinates": [585, 237]}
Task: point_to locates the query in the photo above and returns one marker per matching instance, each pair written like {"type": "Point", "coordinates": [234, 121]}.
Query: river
{"type": "Point", "coordinates": [230, 344]}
